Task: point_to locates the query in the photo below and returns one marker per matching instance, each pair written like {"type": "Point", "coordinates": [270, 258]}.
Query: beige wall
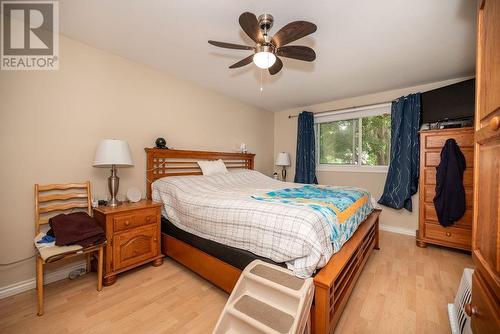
{"type": "Point", "coordinates": [285, 139]}
{"type": "Point", "coordinates": [51, 123]}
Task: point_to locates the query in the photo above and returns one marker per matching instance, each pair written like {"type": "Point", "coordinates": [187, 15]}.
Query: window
{"type": "Point", "coordinates": [338, 142]}
{"type": "Point", "coordinates": [354, 140]}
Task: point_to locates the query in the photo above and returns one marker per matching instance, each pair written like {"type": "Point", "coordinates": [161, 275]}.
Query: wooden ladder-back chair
{"type": "Point", "coordinates": [53, 199]}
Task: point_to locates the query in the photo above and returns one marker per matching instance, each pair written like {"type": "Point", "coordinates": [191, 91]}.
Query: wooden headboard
{"type": "Point", "coordinates": [163, 162]}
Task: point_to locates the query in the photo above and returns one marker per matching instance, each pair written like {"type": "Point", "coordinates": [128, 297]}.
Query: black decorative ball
{"type": "Point", "coordinates": [161, 143]}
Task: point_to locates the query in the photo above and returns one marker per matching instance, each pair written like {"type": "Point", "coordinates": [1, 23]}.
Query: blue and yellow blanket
{"type": "Point", "coordinates": [344, 208]}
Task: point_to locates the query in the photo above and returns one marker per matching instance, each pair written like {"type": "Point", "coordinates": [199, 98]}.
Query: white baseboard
{"type": "Point", "coordinates": [51, 277]}
{"type": "Point", "coordinates": [399, 230]}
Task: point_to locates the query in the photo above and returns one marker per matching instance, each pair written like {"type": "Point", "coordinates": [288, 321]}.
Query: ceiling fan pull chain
{"type": "Point", "coordinates": [261, 89]}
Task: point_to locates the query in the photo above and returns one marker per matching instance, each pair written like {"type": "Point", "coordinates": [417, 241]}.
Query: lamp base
{"type": "Point", "coordinates": [114, 202]}
{"type": "Point", "coordinates": [113, 184]}
{"type": "Point", "coordinates": [283, 173]}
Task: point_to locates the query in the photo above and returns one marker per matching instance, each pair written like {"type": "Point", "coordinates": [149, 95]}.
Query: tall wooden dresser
{"type": "Point", "coordinates": [485, 306]}
{"type": "Point", "coordinates": [429, 230]}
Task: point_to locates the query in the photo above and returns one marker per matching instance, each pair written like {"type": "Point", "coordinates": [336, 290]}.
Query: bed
{"type": "Point", "coordinates": [211, 258]}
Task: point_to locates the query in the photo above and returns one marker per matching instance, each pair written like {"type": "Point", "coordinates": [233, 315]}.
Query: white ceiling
{"type": "Point", "coordinates": [362, 46]}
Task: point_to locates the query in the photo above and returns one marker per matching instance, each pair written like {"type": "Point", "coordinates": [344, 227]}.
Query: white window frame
{"type": "Point", "coordinates": [347, 114]}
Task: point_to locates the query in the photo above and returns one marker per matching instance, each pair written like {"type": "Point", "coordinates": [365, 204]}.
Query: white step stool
{"type": "Point", "coordinates": [267, 299]}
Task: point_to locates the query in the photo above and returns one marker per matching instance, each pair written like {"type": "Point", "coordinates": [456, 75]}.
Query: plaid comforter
{"type": "Point", "coordinates": [232, 209]}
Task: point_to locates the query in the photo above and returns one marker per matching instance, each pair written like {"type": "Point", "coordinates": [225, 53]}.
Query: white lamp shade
{"type": "Point", "coordinates": [283, 159]}
{"type": "Point", "coordinates": [113, 152]}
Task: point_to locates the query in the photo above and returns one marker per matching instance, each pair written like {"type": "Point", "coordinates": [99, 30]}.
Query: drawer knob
{"type": "Point", "coordinates": [470, 309]}
{"type": "Point", "coordinates": [494, 123]}
{"type": "Point", "coordinates": [448, 234]}
{"type": "Point", "coordinates": [154, 239]}
{"type": "Point", "coordinates": [127, 223]}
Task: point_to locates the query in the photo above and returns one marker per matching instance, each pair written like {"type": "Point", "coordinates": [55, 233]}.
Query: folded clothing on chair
{"type": "Point", "coordinates": [76, 228]}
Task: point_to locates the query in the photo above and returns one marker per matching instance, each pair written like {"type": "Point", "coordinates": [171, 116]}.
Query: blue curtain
{"type": "Point", "coordinates": [305, 165]}
{"type": "Point", "coordinates": [402, 178]}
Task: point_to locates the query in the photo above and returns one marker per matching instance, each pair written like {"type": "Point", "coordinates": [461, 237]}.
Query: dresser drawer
{"type": "Point", "coordinates": [132, 220]}
{"type": "Point", "coordinates": [487, 317]}
{"type": "Point", "coordinates": [448, 234]}
{"type": "Point", "coordinates": [430, 193]}
{"type": "Point", "coordinates": [463, 139]}
{"type": "Point", "coordinates": [135, 246]}
{"type": "Point", "coordinates": [433, 158]}
{"type": "Point", "coordinates": [430, 215]}
{"type": "Point", "coordinates": [429, 174]}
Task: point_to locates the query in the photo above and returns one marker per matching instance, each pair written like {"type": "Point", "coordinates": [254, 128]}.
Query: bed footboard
{"type": "Point", "coordinates": [335, 281]}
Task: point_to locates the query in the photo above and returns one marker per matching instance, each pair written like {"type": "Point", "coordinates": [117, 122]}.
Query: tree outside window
{"type": "Point", "coordinates": [363, 141]}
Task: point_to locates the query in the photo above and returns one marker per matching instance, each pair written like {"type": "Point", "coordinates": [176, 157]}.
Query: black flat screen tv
{"type": "Point", "coordinates": [451, 102]}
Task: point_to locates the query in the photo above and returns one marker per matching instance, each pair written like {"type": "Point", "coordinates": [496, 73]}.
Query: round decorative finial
{"type": "Point", "coordinates": [161, 143]}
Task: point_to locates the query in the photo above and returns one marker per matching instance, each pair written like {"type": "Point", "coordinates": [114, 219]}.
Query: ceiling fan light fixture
{"type": "Point", "coordinates": [267, 48]}
{"type": "Point", "coordinates": [264, 59]}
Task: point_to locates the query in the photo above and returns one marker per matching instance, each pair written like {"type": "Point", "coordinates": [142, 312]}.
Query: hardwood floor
{"type": "Point", "coordinates": [403, 289]}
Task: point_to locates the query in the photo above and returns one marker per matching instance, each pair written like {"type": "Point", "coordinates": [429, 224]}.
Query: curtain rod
{"type": "Point", "coordinates": [353, 107]}
{"type": "Point", "coordinates": [374, 104]}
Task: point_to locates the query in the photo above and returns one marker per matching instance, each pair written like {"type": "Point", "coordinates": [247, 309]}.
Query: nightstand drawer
{"type": "Point", "coordinates": [125, 222]}
{"type": "Point", "coordinates": [448, 234]}
{"type": "Point", "coordinates": [135, 246]}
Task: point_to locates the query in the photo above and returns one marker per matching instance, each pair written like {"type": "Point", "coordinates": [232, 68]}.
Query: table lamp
{"type": "Point", "coordinates": [283, 160]}
{"type": "Point", "coordinates": [113, 153]}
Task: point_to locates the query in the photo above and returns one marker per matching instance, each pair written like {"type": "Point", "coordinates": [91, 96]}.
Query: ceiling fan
{"type": "Point", "coordinates": [267, 49]}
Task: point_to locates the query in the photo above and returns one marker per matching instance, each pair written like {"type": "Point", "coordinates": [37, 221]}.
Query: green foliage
{"type": "Point", "coordinates": [339, 141]}
{"type": "Point", "coordinates": [376, 144]}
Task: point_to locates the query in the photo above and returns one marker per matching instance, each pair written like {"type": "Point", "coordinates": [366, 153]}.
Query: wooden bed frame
{"type": "Point", "coordinates": [333, 283]}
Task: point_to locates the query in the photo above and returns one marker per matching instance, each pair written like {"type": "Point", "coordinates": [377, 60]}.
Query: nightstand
{"type": "Point", "coordinates": [133, 234]}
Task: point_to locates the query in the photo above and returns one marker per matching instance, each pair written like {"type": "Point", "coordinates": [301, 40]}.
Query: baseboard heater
{"type": "Point", "coordinates": [459, 320]}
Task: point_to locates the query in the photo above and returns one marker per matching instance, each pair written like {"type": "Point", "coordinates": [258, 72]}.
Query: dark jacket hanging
{"type": "Point", "coordinates": [305, 164]}
{"type": "Point", "coordinates": [450, 193]}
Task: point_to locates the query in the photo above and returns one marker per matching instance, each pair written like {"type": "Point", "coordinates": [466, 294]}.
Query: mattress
{"type": "Point", "coordinates": [238, 258]}
{"type": "Point", "coordinates": [247, 210]}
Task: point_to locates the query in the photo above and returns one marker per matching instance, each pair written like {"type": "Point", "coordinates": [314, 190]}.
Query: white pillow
{"type": "Point", "coordinates": [212, 167]}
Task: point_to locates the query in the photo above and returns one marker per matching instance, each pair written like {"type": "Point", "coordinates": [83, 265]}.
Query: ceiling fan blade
{"type": "Point", "coordinates": [250, 25]}
{"type": "Point", "coordinates": [292, 32]}
{"type": "Point", "coordinates": [242, 62]}
{"type": "Point", "coordinates": [231, 45]}
{"type": "Point", "coordinates": [277, 66]}
{"type": "Point", "coordinates": [297, 52]}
